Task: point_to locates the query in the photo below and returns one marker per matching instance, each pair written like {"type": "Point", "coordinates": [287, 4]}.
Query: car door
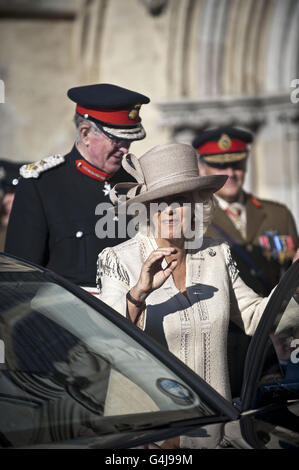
{"type": "Point", "coordinates": [75, 373]}
{"type": "Point", "coordinates": [270, 395]}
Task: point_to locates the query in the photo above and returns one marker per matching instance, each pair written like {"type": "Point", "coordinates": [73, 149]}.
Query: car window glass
{"type": "Point", "coordinates": [280, 374]}
{"type": "Point", "coordinates": [70, 372]}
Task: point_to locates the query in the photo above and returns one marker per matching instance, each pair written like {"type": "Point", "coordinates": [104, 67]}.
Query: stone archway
{"type": "Point", "coordinates": [233, 64]}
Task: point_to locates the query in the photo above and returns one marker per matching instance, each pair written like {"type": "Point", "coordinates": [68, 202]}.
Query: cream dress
{"type": "Point", "coordinates": [193, 328]}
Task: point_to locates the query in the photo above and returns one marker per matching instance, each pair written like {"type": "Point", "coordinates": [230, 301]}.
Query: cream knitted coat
{"type": "Point", "coordinates": [194, 329]}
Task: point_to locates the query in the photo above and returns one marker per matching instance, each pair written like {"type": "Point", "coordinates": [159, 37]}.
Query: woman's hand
{"type": "Point", "coordinates": [152, 274]}
{"type": "Point", "coordinates": [152, 277]}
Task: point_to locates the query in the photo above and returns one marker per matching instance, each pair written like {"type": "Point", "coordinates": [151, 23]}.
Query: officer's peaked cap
{"type": "Point", "coordinates": [113, 108]}
{"type": "Point", "coordinates": [223, 145]}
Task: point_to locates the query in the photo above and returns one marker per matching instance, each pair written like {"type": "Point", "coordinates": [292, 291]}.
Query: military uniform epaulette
{"type": "Point", "coordinates": [265, 202]}
{"type": "Point", "coordinates": [33, 170]}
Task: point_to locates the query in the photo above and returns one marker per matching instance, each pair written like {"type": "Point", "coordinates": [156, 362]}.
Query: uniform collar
{"type": "Point", "coordinates": [87, 169]}
{"type": "Point", "coordinates": [91, 171]}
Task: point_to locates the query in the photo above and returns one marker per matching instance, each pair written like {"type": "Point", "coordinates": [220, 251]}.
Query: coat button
{"type": "Point", "coordinates": [79, 234]}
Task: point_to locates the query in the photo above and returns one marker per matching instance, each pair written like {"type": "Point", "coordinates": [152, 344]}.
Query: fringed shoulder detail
{"type": "Point", "coordinates": [230, 262]}
{"type": "Point", "coordinates": [109, 265]}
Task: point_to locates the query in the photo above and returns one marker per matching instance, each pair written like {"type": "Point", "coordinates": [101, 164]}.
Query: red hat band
{"type": "Point", "coordinates": [112, 116]}
{"type": "Point", "coordinates": [211, 148]}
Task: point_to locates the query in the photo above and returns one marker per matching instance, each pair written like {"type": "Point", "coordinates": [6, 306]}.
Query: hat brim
{"type": "Point", "coordinates": [130, 133]}
{"type": "Point", "coordinates": [127, 133]}
{"type": "Point", "coordinates": [206, 184]}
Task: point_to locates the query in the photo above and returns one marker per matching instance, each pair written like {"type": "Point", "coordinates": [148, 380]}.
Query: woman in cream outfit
{"type": "Point", "coordinates": [184, 298]}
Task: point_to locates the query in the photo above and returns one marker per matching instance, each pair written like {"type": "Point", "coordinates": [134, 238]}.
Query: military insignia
{"type": "Point", "coordinates": [277, 247]}
{"type": "Point", "coordinates": [290, 243]}
{"type": "Point", "coordinates": [255, 202]}
{"type": "Point", "coordinates": [33, 170]}
{"type": "Point", "coordinates": [224, 142]}
{"type": "Point", "coordinates": [107, 188]}
{"type": "Point", "coordinates": [265, 246]}
{"type": "Point", "coordinates": [134, 112]}
{"type": "Point", "coordinates": [30, 166]}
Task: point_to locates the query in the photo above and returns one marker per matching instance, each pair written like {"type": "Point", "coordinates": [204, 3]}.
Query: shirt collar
{"type": "Point", "coordinates": [224, 205]}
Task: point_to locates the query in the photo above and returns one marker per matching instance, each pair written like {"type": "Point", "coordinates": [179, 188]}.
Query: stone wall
{"type": "Point", "coordinates": [202, 62]}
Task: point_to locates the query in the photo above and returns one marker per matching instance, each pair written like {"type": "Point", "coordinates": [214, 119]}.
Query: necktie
{"type": "Point", "coordinates": [234, 211]}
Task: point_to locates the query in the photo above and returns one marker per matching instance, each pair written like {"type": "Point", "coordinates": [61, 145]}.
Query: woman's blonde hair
{"type": "Point", "coordinates": [209, 204]}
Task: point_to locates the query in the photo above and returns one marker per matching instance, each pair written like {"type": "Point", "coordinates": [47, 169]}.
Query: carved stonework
{"type": "Point", "coordinates": [251, 113]}
{"type": "Point", "coordinates": [155, 7]}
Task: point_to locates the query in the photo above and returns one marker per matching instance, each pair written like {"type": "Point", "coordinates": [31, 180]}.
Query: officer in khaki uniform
{"type": "Point", "coordinates": [262, 234]}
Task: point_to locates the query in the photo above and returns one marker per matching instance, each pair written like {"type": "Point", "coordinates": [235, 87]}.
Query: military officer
{"type": "Point", "coordinates": [262, 233]}
{"type": "Point", "coordinates": [53, 217]}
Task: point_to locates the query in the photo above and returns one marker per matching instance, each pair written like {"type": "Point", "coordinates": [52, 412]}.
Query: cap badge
{"type": "Point", "coordinates": [134, 112]}
{"type": "Point", "coordinates": [224, 142]}
{"type": "Point", "coordinates": [107, 188]}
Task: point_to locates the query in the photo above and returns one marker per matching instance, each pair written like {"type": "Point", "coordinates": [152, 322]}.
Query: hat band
{"type": "Point", "coordinates": [110, 116]}
{"type": "Point", "coordinates": [173, 178]}
{"type": "Point", "coordinates": [210, 148]}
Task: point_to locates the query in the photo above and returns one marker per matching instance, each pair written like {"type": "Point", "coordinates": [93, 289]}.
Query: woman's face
{"type": "Point", "coordinates": [171, 217]}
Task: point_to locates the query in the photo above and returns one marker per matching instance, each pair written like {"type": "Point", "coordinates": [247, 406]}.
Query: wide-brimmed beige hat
{"type": "Point", "coordinates": [164, 170]}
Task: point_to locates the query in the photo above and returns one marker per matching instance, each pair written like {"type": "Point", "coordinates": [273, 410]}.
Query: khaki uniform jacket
{"type": "Point", "coordinates": [259, 268]}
